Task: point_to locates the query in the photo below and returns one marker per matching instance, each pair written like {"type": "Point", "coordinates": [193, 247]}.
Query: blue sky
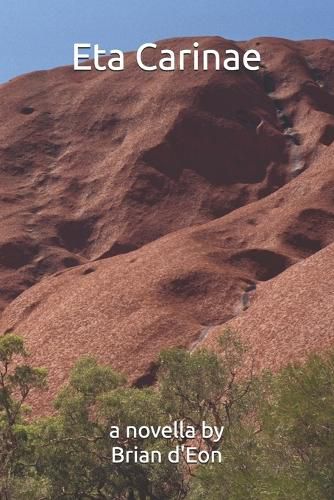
{"type": "Point", "coordinates": [39, 34]}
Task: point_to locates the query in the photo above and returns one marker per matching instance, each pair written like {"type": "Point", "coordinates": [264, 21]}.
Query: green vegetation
{"type": "Point", "coordinates": [277, 442]}
{"type": "Point", "coordinates": [16, 453]}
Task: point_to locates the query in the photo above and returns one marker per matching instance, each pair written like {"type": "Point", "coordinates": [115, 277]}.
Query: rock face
{"type": "Point", "coordinates": [148, 206]}
{"type": "Point", "coordinates": [290, 316]}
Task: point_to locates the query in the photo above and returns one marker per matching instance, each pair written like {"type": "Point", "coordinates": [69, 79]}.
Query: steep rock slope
{"type": "Point", "coordinates": [290, 316]}
{"type": "Point", "coordinates": [174, 291]}
{"type": "Point", "coordinates": [97, 164]}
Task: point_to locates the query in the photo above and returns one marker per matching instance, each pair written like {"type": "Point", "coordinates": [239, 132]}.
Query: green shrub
{"type": "Point", "coordinates": [277, 442]}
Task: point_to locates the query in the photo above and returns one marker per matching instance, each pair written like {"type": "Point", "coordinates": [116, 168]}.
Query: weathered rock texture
{"type": "Point", "coordinates": [147, 206]}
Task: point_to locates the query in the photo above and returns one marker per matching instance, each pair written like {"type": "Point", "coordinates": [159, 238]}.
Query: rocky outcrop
{"type": "Point", "coordinates": [141, 211]}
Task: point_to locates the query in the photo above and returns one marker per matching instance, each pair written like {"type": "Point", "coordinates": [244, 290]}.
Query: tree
{"type": "Point", "coordinates": [289, 453]}
{"type": "Point", "coordinates": [277, 442]}
{"type": "Point", "coordinates": [76, 451]}
{"type": "Point", "coordinates": [17, 380]}
{"type": "Point", "coordinates": [202, 386]}
{"type": "Point", "coordinates": [298, 417]}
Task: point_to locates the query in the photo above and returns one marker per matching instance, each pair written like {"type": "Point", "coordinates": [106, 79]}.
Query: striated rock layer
{"type": "Point", "coordinates": [161, 202]}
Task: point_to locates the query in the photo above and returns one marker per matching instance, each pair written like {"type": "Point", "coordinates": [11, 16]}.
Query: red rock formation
{"type": "Point", "coordinates": [290, 316]}
{"type": "Point", "coordinates": [99, 164]}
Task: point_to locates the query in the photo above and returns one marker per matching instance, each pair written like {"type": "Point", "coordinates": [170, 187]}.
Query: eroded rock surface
{"type": "Point", "coordinates": [138, 209]}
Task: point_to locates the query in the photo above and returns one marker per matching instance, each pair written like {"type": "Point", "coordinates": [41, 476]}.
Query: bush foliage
{"type": "Point", "coordinates": [278, 429]}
